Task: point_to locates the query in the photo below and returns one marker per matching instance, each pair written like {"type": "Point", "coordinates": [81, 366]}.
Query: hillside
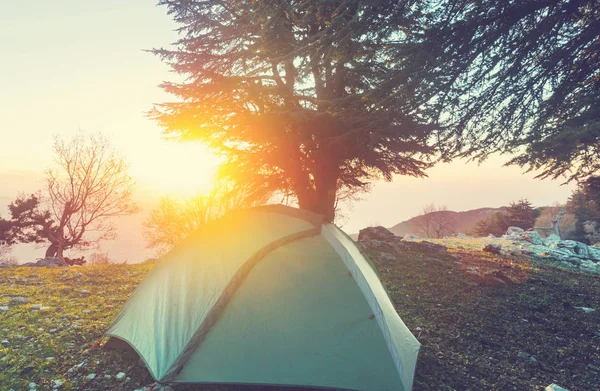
{"type": "Point", "coordinates": [521, 335]}
{"type": "Point", "coordinates": [465, 221]}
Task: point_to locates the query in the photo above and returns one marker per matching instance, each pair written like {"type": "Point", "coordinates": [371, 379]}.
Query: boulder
{"type": "Point", "coordinates": [493, 248]}
{"type": "Point", "coordinates": [514, 231]}
{"type": "Point", "coordinates": [594, 253]}
{"type": "Point", "coordinates": [375, 233]}
{"type": "Point", "coordinates": [532, 237]}
{"type": "Point", "coordinates": [51, 262]}
{"type": "Point", "coordinates": [551, 240]}
{"type": "Point", "coordinates": [555, 387]}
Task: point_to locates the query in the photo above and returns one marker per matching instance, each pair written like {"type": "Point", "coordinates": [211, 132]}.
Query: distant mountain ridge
{"type": "Point", "coordinates": [466, 221]}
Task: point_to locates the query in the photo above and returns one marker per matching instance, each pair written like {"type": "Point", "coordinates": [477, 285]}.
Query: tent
{"type": "Point", "coordinates": [270, 295]}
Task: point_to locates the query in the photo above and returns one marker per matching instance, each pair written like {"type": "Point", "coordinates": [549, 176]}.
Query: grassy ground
{"type": "Point", "coordinates": [474, 337]}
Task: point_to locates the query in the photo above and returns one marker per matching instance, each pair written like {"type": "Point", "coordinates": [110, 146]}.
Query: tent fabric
{"type": "Point", "coordinates": [268, 295]}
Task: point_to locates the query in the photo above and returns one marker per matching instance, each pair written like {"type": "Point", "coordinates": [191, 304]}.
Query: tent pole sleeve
{"type": "Point", "coordinates": [235, 282]}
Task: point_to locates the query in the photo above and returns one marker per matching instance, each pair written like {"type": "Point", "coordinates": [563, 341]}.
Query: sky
{"type": "Point", "coordinates": [72, 65]}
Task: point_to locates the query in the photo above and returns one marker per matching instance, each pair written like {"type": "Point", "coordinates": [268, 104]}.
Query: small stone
{"type": "Point", "coordinates": [120, 376]}
{"type": "Point", "coordinates": [5, 342]}
{"type": "Point", "coordinates": [58, 383]}
{"type": "Point", "coordinates": [20, 300]}
{"type": "Point", "coordinates": [32, 386]}
{"type": "Point", "coordinates": [84, 292]}
{"type": "Point", "coordinates": [90, 377]}
{"type": "Point", "coordinates": [107, 376]}
{"type": "Point", "coordinates": [419, 329]}
{"type": "Point", "coordinates": [52, 331]}
{"type": "Point", "coordinates": [3, 308]}
{"type": "Point", "coordinates": [533, 359]}
{"type": "Point", "coordinates": [555, 387]}
{"type": "Point", "coordinates": [35, 307]}
{"type": "Point", "coordinates": [586, 309]}
{"type": "Point", "coordinates": [523, 356]}
{"type": "Point", "coordinates": [593, 367]}
{"type": "Point", "coordinates": [49, 358]}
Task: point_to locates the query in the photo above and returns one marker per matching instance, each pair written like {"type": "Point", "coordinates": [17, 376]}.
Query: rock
{"type": "Point", "coordinates": [384, 257]}
{"type": "Point", "coordinates": [555, 387]}
{"type": "Point", "coordinates": [90, 377]}
{"type": "Point", "coordinates": [594, 253]}
{"type": "Point", "coordinates": [120, 376]}
{"type": "Point", "coordinates": [51, 262]}
{"type": "Point", "coordinates": [532, 237]}
{"type": "Point", "coordinates": [587, 310]}
{"type": "Point", "coordinates": [49, 359]}
{"type": "Point", "coordinates": [523, 356]}
{"type": "Point", "coordinates": [491, 236]}
{"type": "Point", "coordinates": [5, 343]}
{"type": "Point", "coordinates": [32, 386]}
{"type": "Point", "coordinates": [551, 240]}
{"type": "Point", "coordinates": [52, 331]}
{"type": "Point", "coordinates": [20, 300]}
{"type": "Point", "coordinates": [84, 292]}
{"type": "Point", "coordinates": [375, 233]}
{"type": "Point", "coordinates": [589, 265]}
{"type": "Point", "coordinates": [514, 231]}
{"type": "Point", "coordinates": [533, 359]}
{"type": "Point", "coordinates": [493, 248]}
{"type": "Point", "coordinates": [3, 308]}
{"type": "Point", "coordinates": [35, 307]}
{"type": "Point", "coordinates": [57, 383]}
{"type": "Point", "coordinates": [460, 235]}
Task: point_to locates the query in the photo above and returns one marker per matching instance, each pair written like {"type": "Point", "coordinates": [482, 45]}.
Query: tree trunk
{"type": "Point", "coordinates": [51, 251]}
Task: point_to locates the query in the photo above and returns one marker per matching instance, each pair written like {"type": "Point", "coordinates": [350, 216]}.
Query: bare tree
{"type": "Point", "coordinates": [442, 222]}
{"type": "Point", "coordinates": [554, 219]}
{"type": "Point", "coordinates": [99, 259]}
{"type": "Point", "coordinates": [173, 220]}
{"type": "Point", "coordinates": [87, 187]}
{"type": "Point", "coordinates": [434, 221]}
{"type": "Point", "coordinates": [422, 224]}
{"type": "Point", "coordinates": [5, 256]}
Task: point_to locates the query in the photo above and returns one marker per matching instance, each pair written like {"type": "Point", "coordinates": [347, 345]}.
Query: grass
{"type": "Point", "coordinates": [474, 337]}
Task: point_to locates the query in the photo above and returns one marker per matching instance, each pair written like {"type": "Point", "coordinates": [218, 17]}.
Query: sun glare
{"type": "Point", "coordinates": [174, 168]}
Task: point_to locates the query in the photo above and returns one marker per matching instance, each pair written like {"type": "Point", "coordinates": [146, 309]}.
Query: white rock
{"type": "Point", "coordinates": [49, 358]}
{"type": "Point", "coordinates": [120, 375]}
{"type": "Point", "coordinates": [90, 377]}
{"type": "Point", "coordinates": [3, 308]}
{"type": "Point", "coordinates": [52, 331]}
{"type": "Point", "coordinates": [58, 383]}
{"type": "Point", "coordinates": [555, 387]}
{"type": "Point", "coordinates": [5, 342]}
{"type": "Point", "coordinates": [35, 307]}
{"type": "Point", "coordinates": [514, 230]}
{"type": "Point", "coordinates": [587, 310]}
{"type": "Point", "coordinates": [32, 386]}
{"type": "Point", "coordinates": [84, 292]}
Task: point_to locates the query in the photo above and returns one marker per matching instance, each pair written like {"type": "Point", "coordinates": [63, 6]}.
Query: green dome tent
{"type": "Point", "coordinates": [271, 296]}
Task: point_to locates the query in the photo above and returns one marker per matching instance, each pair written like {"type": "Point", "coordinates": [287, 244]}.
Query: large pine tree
{"type": "Point", "coordinates": [305, 98]}
{"type": "Point", "coordinates": [522, 77]}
